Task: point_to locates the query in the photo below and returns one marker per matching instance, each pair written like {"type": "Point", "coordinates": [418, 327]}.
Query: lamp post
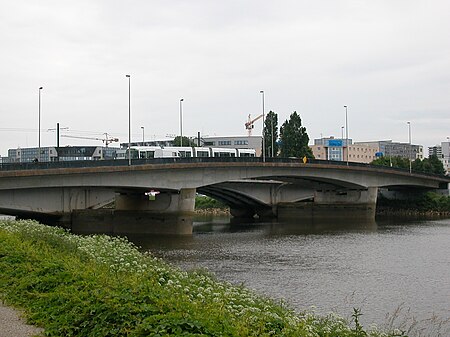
{"type": "Point", "coordinates": [181, 121]}
{"type": "Point", "coordinates": [271, 126]}
{"type": "Point", "coordinates": [409, 142]}
{"type": "Point", "coordinates": [129, 119]}
{"type": "Point", "coordinates": [346, 131]}
{"type": "Point", "coordinates": [143, 138]}
{"type": "Point", "coordinates": [342, 141]}
{"type": "Point", "coordinates": [39, 126]}
{"type": "Point", "coordinates": [263, 140]}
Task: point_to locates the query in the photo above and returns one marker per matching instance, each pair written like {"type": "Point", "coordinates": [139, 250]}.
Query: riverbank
{"type": "Point", "coordinates": [97, 286]}
{"type": "Point", "coordinates": [380, 211]}
{"type": "Point", "coordinates": [213, 211]}
{"type": "Point", "coordinates": [411, 212]}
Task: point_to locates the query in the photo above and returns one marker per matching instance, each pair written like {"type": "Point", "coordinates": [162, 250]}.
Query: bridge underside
{"type": "Point", "coordinates": [282, 199]}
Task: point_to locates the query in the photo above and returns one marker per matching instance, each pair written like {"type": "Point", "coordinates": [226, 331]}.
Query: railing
{"type": "Point", "coordinates": [184, 160]}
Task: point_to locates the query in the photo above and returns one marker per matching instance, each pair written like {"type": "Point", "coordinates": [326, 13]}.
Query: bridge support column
{"type": "Point", "coordinates": [169, 212]}
{"type": "Point", "coordinates": [180, 202]}
{"type": "Point", "coordinates": [333, 204]}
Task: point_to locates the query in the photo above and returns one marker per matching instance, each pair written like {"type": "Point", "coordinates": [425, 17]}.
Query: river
{"type": "Point", "coordinates": [395, 271]}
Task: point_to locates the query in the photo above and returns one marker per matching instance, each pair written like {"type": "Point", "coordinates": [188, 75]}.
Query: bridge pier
{"type": "Point", "coordinates": [274, 199]}
{"type": "Point", "coordinates": [81, 209]}
{"type": "Point", "coordinates": [110, 221]}
{"type": "Point", "coordinates": [166, 202]}
{"type": "Point", "coordinates": [169, 212]}
{"type": "Point", "coordinates": [333, 204]}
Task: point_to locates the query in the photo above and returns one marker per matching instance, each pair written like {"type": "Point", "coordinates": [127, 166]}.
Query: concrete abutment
{"type": "Point", "coordinates": [328, 204]}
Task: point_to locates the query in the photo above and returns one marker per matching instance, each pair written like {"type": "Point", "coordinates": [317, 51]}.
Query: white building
{"type": "Point", "coordinates": [237, 142]}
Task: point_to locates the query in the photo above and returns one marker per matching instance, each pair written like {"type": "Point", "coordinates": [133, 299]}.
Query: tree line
{"type": "Point", "coordinates": [427, 165]}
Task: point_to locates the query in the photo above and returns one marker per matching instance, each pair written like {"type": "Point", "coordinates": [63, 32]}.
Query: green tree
{"type": "Point", "coordinates": [399, 162]}
{"type": "Point", "coordinates": [427, 165]}
{"type": "Point", "coordinates": [271, 124]}
{"type": "Point", "coordinates": [436, 164]}
{"type": "Point", "coordinates": [294, 139]}
{"type": "Point", "coordinates": [186, 141]}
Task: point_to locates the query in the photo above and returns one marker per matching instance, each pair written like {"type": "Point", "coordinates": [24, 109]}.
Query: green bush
{"type": "Point", "coordinates": [204, 202]}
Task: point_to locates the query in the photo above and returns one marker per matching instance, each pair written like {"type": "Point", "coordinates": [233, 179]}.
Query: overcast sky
{"type": "Point", "coordinates": [388, 60]}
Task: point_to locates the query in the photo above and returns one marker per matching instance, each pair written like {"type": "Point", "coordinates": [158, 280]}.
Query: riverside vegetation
{"type": "Point", "coordinates": [104, 286]}
{"type": "Point", "coordinates": [207, 205]}
{"type": "Point", "coordinates": [430, 203]}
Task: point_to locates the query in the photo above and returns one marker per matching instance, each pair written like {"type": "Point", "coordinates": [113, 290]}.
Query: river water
{"type": "Point", "coordinates": [395, 271]}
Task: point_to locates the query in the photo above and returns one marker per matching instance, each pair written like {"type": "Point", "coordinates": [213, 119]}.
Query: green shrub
{"type": "Point", "coordinates": [204, 202]}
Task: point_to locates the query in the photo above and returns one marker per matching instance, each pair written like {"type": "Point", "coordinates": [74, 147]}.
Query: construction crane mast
{"type": "Point", "coordinates": [107, 140]}
{"type": "Point", "coordinates": [249, 124]}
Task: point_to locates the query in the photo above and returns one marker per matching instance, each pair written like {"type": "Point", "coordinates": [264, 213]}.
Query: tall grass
{"type": "Point", "coordinates": [103, 286]}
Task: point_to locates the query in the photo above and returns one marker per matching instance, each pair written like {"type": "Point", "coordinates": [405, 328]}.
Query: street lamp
{"type": "Point", "coordinates": [263, 140]}
{"type": "Point", "coordinates": [39, 126]}
{"type": "Point", "coordinates": [143, 135]}
{"type": "Point", "coordinates": [409, 142]}
{"type": "Point", "coordinates": [346, 131]}
{"type": "Point", "coordinates": [181, 121]}
{"type": "Point", "coordinates": [342, 141]}
{"type": "Point", "coordinates": [129, 119]}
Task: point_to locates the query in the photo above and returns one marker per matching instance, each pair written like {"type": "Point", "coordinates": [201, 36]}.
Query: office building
{"type": "Point", "coordinates": [330, 148]}
{"type": "Point", "coordinates": [388, 148]}
{"type": "Point", "coordinates": [67, 153]}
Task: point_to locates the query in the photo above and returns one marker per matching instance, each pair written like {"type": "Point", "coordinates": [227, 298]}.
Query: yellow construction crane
{"type": "Point", "coordinates": [107, 140]}
{"type": "Point", "coordinates": [249, 124]}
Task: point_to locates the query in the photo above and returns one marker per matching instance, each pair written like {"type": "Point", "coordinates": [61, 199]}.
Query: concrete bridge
{"type": "Point", "coordinates": [62, 193]}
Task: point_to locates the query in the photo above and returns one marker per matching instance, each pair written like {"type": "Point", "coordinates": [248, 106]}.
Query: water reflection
{"type": "Point", "coordinates": [202, 225]}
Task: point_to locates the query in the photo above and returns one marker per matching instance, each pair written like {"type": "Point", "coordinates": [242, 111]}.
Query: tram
{"type": "Point", "coordinates": [148, 152]}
